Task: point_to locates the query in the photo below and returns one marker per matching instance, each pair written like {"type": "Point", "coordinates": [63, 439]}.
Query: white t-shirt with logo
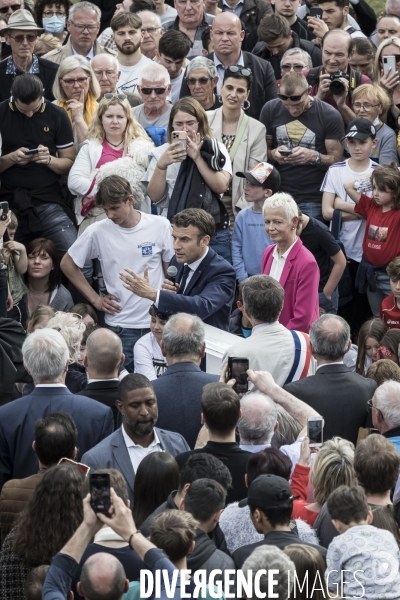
{"type": "Point", "coordinates": [352, 232]}
{"type": "Point", "coordinates": [148, 358]}
{"type": "Point", "coordinates": [149, 244]}
{"type": "Point", "coordinates": [129, 78]}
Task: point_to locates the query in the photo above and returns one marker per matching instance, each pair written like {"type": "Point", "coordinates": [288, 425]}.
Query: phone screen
{"type": "Point", "coordinates": [100, 492]}
{"type": "Point", "coordinates": [5, 208]}
{"type": "Point", "coordinates": [237, 369]}
{"type": "Point", "coordinates": [315, 432]}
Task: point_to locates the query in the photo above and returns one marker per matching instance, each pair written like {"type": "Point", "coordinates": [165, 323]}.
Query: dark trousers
{"type": "Point", "coordinates": [358, 310]}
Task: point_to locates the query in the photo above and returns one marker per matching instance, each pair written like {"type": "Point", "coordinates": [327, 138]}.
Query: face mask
{"type": "Point", "coordinates": [376, 122]}
{"type": "Point", "coordinates": [54, 24]}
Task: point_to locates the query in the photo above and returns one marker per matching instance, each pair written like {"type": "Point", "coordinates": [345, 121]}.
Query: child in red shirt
{"type": "Point", "coordinates": [390, 307]}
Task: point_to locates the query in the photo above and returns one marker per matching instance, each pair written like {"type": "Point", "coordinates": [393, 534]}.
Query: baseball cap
{"type": "Point", "coordinates": [264, 175]}
{"type": "Point", "coordinates": [360, 129]}
{"type": "Point", "coordinates": [268, 491]}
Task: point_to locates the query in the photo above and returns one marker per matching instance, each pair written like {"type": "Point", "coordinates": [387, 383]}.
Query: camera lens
{"type": "Point", "coordinates": [336, 87]}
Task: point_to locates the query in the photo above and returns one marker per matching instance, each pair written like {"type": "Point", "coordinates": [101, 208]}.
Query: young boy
{"type": "Point", "coordinates": [390, 307]}
{"type": "Point", "coordinates": [249, 238]}
{"type": "Point", "coordinates": [363, 557]}
{"type": "Point", "coordinates": [17, 265]}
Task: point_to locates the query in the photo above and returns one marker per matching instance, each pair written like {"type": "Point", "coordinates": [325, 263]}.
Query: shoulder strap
{"type": "Point", "coordinates": [302, 356]}
{"type": "Point", "coordinates": [313, 76]}
{"type": "Point", "coordinates": [238, 138]}
{"type": "Point", "coordinates": [355, 81]}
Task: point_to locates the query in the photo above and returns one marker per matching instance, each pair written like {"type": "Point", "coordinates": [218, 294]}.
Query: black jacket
{"type": "Point", "coordinates": [252, 12]}
{"type": "Point", "coordinates": [261, 51]}
{"type": "Point", "coordinates": [47, 75]}
{"type": "Point", "coordinates": [262, 89]}
{"type": "Point", "coordinates": [105, 392]}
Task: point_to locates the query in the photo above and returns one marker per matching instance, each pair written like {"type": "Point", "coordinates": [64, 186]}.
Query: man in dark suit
{"type": "Point", "coordinates": [227, 36]}
{"type": "Point", "coordinates": [206, 281]}
{"type": "Point", "coordinates": [338, 394]}
{"type": "Point", "coordinates": [103, 358]}
{"type": "Point", "coordinates": [183, 346]}
{"type": "Point", "coordinates": [137, 437]}
{"type": "Point", "coordinates": [46, 358]}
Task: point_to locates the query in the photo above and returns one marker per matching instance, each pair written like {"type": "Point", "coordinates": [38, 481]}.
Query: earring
{"type": "Point", "coordinates": [219, 98]}
{"type": "Point", "coordinates": [248, 105]}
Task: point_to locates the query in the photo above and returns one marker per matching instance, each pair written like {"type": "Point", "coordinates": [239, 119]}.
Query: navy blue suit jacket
{"type": "Point", "coordinates": [209, 293]}
{"type": "Point", "coordinates": [178, 392]}
{"type": "Point", "coordinates": [17, 421]}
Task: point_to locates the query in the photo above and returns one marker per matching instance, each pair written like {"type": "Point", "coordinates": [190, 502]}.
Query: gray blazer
{"type": "Point", "coordinates": [112, 453]}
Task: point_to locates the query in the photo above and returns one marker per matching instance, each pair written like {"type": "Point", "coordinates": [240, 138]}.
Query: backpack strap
{"type": "Point", "coordinates": [313, 76]}
{"type": "Point", "coordinates": [302, 356]}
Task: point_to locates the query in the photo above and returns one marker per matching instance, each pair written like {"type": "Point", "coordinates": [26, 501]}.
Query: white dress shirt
{"type": "Point", "coordinates": [137, 452]}
{"type": "Point", "coordinates": [338, 362]}
{"type": "Point", "coordinates": [278, 262]}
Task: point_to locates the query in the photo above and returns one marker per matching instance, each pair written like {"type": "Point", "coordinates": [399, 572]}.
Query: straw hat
{"type": "Point", "coordinates": [23, 20]}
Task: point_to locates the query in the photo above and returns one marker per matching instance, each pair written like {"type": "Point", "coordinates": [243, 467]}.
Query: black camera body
{"type": "Point", "coordinates": [336, 87]}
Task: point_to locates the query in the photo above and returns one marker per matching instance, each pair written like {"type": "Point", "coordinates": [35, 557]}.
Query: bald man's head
{"type": "Point", "coordinates": [103, 354]}
{"type": "Point", "coordinates": [183, 337]}
{"type": "Point", "coordinates": [259, 419]}
{"type": "Point", "coordinates": [103, 577]}
{"type": "Point", "coordinates": [227, 35]}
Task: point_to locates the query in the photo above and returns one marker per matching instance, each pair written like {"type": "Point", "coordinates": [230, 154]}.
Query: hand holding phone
{"type": "Point", "coordinates": [181, 137]}
{"type": "Point", "coordinates": [314, 431]}
{"type": "Point", "coordinates": [33, 151]}
{"type": "Point", "coordinates": [389, 64]}
{"type": "Point", "coordinates": [285, 152]}
{"type": "Point", "coordinates": [316, 12]}
{"type": "Point", "coordinates": [5, 208]}
{"type": "Point", "coordinates": [100, 499]}
{"type": "Point", "coordinates": [237, 369]}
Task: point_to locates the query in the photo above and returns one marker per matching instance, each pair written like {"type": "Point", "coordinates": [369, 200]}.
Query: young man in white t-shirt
{"type": "Point", "coordinates": [361, 139]}
{"type": "Point", "coordinates": [127, 238]}
{"type": "Point", "coordinates": [128, 36]}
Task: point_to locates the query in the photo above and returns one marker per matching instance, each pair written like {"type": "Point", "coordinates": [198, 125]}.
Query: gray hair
{"type": "Point", "coordinates": [110, 57]}
{"type": "Point", "coordinates": [330, 336]}
{"type": "Point", "coordinates": [201, 62]}
{"type": "Point", "coordinates": [154, 72]}
{"type": "Point", "coordinates": [259, 416]}
{"type": "Point", "coordinates": [183, 335]}
{"type": "Point", "coordinates": [45, 354]}
{"type": "Point", "coordinates": [70, 64]}
{"type": "Point", "coordinates": [304, 54]}
{"type": "Point", "coordinates": [391, 6]}
{"type": "Point", "coordinates": [387, 398]}
{"type": "Point", "coordinates": [263, 298]}
{"type": "Point", "coordinates": [285, 202]}
{"type": "Point", "coordinates": [267, 558]}
{"type": "Point", "coordinates": [83, 7]}
{"type": "Point", "coordinates": [153, 15]}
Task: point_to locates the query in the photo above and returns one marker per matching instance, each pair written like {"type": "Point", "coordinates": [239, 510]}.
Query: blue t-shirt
{"type": "Point", "coordinates": [249, 240]}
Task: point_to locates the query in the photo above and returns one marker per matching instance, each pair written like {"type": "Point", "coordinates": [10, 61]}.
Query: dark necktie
{"type": "Point", "coordinates": [186, 271]}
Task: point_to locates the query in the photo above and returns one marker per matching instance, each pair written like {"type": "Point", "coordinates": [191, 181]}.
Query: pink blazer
{"type": "Point", "coordinates": [300, 280]}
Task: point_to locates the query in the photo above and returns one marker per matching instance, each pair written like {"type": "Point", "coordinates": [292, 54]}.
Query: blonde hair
{"type": "Point", "coordinates": [71, 328]}
{"type": "Point", "coordinates": [70, 64]}
{"type": "Point", "coordinates": [42, 312]}
{"type": "Point", "coordinates": [133, 129]}
{"type": "Point", "coordinates": [333, 466]}
{"type": "Point", "coordinates": [393, 41]}
{"type": "Point", "coordinates": [374, 93]}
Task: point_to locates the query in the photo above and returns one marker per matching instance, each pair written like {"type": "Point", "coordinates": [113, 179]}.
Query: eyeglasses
{"type": "Point", "coordinates": [80, 80]}
{"type": "Point", "coordinates": [158, 91]}
{"type": "Point", "coordinates": [292, 98]}
{"type": "Point", "coordinates": [106, 73]}
{"type": "Point", "coordinates": [6, 9]}
{"type": "Point", "coordinates": [375, 407]}
{"type": "Point", "coordinates": [150, 30]}
{"type": "Point", "coordinates": [83, 27]}
{"type": "Point", "coordinates": [30, 37]}
{"type": "Point", "coordinates": [366, 106]}
{"type": "Point", "coordinates": [49, 13]}
{"type": "Point", "coordinates": [296, 68]}
{"type": "Point", "coordinates": [237, 69]}
{"type": "Point", "coordinates": [111, 96]}
{"type": "Point", "coordinates": [200, 80]}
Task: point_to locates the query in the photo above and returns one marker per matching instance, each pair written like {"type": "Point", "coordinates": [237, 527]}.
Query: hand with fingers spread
{"type": "Point", "coordinates": [138, 285]}
{"type": "Point", "coordinates": [194, 146]}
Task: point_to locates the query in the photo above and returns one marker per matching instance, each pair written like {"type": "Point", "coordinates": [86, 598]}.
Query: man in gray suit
{"type": "Point", "coordinates": [137, 437]}
{"type": "Point", "coordinates": [183, 345]}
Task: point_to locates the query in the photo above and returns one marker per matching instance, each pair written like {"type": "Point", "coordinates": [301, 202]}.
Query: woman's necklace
{"type": "Point", "coordinates": [115, 145]}
{"type": "Point", "coordinates": [34, 304]}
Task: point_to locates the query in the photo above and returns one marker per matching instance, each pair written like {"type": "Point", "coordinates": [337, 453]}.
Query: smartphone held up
{"type": "Point", "coordinates": [100, 499]}
{"type": "Point", "coordinates": [237, 369]}
{"type": "Point", "coordinates": [315, 431]}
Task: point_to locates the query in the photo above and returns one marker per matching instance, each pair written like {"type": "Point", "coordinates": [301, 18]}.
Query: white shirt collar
{"type": "Point", "coordinates": [217, 62]}
{"type": "Point", "coordinates": [88, 56]}
{"type": "Point", "coordinates": [95, 380]}
{"type": "Point", "coordinates": [264, 325]}
{"type": "Point", "coordinates": [131, 444]}
{"type": "Point", "coordinates": [339, 362]}
{"type": "Point", "coordinates": [194, 265]}
{"type": "Point", "coordinates": [50, 385]}
{"type": "Point", "coordinates": [285, 254]}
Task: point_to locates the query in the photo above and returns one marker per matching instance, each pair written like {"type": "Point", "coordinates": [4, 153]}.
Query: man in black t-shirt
{"type": "Point", "coordinates": [30, 182]}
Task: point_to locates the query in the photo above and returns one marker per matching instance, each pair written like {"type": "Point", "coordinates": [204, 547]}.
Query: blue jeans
{"type": "Point", "coordinates": [128, 337]}
{"type": "Point", "coordinates": [312, 209]}
{"type": "Point", "coordinates": [56, 226]}
{"type": "Point", "coordinates": [382, 283]}
{"type": "Point", "coordinates": [221, 244]}
{"type": "Point", "coordinates": [329, 306]}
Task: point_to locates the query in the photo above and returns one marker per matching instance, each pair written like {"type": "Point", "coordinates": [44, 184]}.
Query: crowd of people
{"type": "Point", "coordinates": [171, 170]}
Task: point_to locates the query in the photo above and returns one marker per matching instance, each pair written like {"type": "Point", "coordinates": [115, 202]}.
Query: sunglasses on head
{"type": "Point", "coordinates": [292, 98]}
{"type": "Point", "coordinates": [109, 96]}
{"type": "Point", "coordinates": [147, 91]}
{"type": "Point", "coordinates": [237, 69]}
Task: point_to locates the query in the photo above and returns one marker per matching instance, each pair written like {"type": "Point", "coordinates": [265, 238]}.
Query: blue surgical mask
{"type": "Point", "coordinates": [54, 24]}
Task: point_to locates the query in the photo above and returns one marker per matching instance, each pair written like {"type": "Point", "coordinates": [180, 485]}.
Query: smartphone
{"type": "Point", "coordinates": [180, 136]}
{"type": "Point", "coordinates": [285, 152]}
{"type": "Point", "coordinates": [316, 12]}
{"type": "Point", "coordinates": [389, 64]}
{"type": "Point", "coordinates": [5, 208]}
{"type": "Point", "coordinates": [237, 369]}
{"type": "Point", "coordinates": [33, 151]}
{"type": "Point", "coordinates": [314, 431]}
{"type": "Point", "coordinates": [100, 499]}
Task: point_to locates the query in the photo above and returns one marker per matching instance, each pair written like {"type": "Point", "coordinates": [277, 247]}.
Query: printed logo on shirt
{"type": "Point", "coordinates": [147, 248]}
{"type": "Point", "coordinates": [391, 322]}
{"type": "Point", "coordinates": [377, 234]}
{"type": "Point", "coordinates": [160, 367]}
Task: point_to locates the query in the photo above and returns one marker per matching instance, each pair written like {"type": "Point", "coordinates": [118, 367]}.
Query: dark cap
{"type": "Point", "coordinates": [264, 175]}
{"type": "Point", "coordinates": [360, 129]}
{"type": "Point", "coordinates": [268, 491]}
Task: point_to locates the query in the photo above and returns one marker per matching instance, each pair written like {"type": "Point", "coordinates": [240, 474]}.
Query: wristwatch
{"type": "Point", "coordinates": [317, 161]}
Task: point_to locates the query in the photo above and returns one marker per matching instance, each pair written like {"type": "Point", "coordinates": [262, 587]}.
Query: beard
{"type": "Point", "coordinates": [128, 49]}
{"type": "Point", "coordinates": [138, 427]}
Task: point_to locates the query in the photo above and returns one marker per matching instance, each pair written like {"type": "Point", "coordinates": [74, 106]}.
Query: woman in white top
{"type": "Point", "coordinates": [147, 354]}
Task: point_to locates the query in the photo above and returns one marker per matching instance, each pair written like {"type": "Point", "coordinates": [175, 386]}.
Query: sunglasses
{"type": "Point", "coordinates": [237, 69]}
{"type": "Point", "coordinates": [13, 7]}
{"type": "Point", "coordinates": [110, 96]}
{"type": "Point", "coordinates": [200, 80]}
{"type": "Point", "coordinates": [292, 98]}
{"type": "Point", "coordinates": [158, 91]}
{"type": "Point", "coordinates": [20, 38]}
